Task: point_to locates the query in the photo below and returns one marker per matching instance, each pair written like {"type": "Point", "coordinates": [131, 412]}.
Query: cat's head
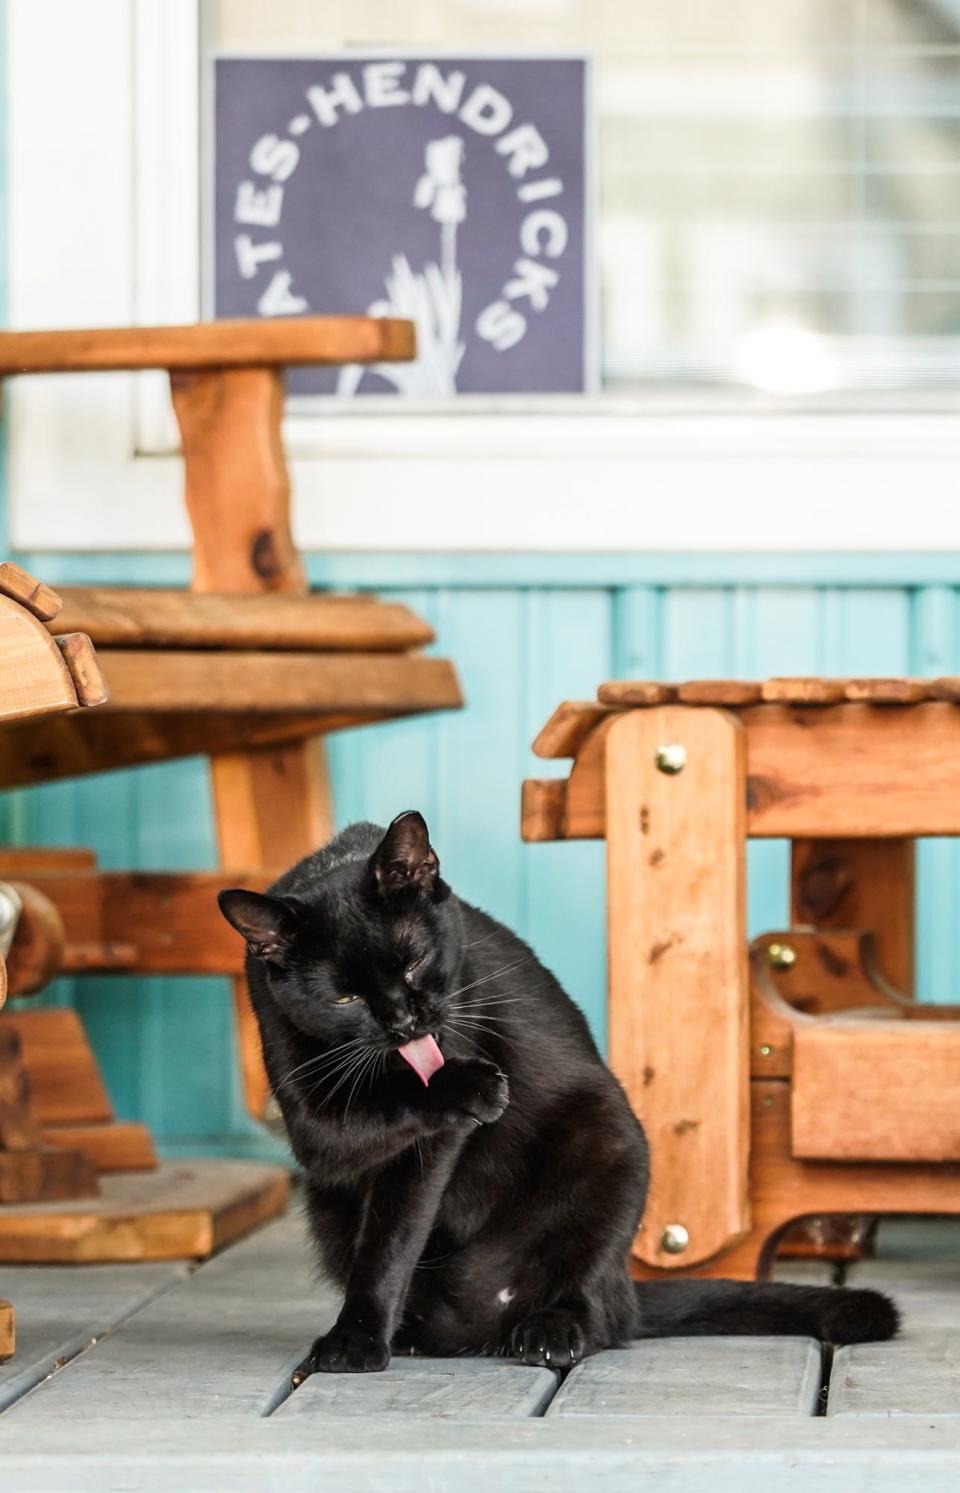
{"type": "Point", "coordinates": [368, 952]}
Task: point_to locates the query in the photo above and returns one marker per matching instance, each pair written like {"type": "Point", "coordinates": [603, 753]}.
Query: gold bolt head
{"type": "Point", "coordinates": [781, 956]}
{"type": "Point", "coordinates": [674, 1239]}
{"type": "Point", "coordinates": [671, 758]}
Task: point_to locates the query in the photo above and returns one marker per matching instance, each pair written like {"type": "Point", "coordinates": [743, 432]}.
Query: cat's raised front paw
{"type": "Point", "coordinates": [344, 1350]}
{"type": "Point", "coordinates": [469, 1090]}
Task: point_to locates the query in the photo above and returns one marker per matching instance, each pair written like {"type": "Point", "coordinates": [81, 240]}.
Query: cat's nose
{"type": "Point", "coordinates": [401, 1024]}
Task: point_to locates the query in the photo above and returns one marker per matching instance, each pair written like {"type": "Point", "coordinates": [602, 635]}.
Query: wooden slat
{"type": "Point", "coordinates": [97, 741]}
{"type": "Point", "coordinates": [917, 1374]}
{"type": "Point", "coordinates": [639, 692]}
{"type": "Point", "coordinates": [845, 773]}
{"type": "Point", "coordinates": [425, 1389]}
{"type": "Point", "coordinates": [683, 1454]}
{"type": "Point", "coordinates": [568, 728]}
{"type": "Point", "coordinates": [34, 679]}
{"type": "Point", "coordinates": [81, 660]}
{"type": "Point", "coordinates": [803, 691]}
{"type": "Point", "coordinates": [888, 691]}
{"type": "Point", "coordinates": [126, 616]}
{"type": "Point", "coordinates": [678, 1003]}
{"type": "Point", "coordinates": [186, 1210]}
{"type": "Point", "coordinates": [224, 1343]}
{"type": "Point", "coordinates": [220, 344]}
{"type": "Point", "coordinates": [271, 683]}
{"type": "Point", "coordinates": [23, 587]}
{"type": "Point", "coordinates": [876, 1091]}
{"type": "Point", "coordinates": [730, 692]}
{"type": "Point", "coordinates": [60, 1311]}
{"type": "Point", "coordinates": [695, 1376]}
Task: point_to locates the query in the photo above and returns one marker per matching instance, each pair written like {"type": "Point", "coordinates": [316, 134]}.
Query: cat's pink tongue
{"type": "Point", "coordinates": [424, 1057]}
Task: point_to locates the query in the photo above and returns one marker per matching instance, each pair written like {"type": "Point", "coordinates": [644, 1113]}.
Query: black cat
{"type": "Point", "coordinates": [474, 1173]}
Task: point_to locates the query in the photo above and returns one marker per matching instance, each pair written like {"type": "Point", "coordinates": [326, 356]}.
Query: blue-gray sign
{"type": "Point", "coordinates": [451, 190]}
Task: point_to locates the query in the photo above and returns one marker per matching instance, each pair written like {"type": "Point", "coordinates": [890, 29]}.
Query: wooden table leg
{"type": "Point", "coordinates": [272, 805]}
{"type": "Point", "coordinates": [678, 993]}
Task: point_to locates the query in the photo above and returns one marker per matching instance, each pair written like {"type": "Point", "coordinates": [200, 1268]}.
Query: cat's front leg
{"type": "Point", "coordinates": [399, 1212]}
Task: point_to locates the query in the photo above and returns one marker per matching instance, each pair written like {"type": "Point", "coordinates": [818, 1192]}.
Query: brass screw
{"type": "Point", "coordinates": [671, 758]}
{"type": "Point", "coordinates": [781, 956]}
{"type": "Point", "coordinates": [765, 1049]}
{"type": "Point", "coordinates": [674, 1239]}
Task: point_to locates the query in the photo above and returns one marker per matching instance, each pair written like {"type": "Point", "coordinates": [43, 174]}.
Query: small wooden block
{"type": "Point", "coordinates": [8, 1335]}
{"type": "Point", "coordinates": [177, 1212]}
{"type": "Point", "coordinates": [719, 692]}
{"type": "Point", "coordinates": [887, 691]}
{"type": "Point", "coordinates": [622, 692]}
{"type": "Point", "coordinates": [542, 810]}
{"type": "Point", "coordinates": [126, 1147]}
{"type": "Point", "coordinates": [45, 1176]}
{"type": "Point", "coordinates": [568, 728]}
{"type": "Point", "coordinates": [34, 680]}
{"type": "Point", "coordinates": [20, 586]}
{"type": "Point", "coordinates": [81, 660]}
{"type": "Point", "coordinates": [805, 691]}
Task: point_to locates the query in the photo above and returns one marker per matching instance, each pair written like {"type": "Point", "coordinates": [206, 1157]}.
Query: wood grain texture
{"type": "Point", "coordinates": [224, 1342]}
{"type": "Point", "coordinates": [46, 1175]}
{"type": "Point", "coordinates": [56, 747]}
{"type": "Point", "coordinates": [678, 1007]}
{"type": "Point", "coordinates": [917, 1374]}
{"type": "Point", "coordinates": [127, 617]}
{"type": "Point", "coordinates": [695, 1376]}
{"type": "Point", "coordinates": [875, 1090]}
{"type": "Point", "coordinates": [568, 728]}
{"type": "Point", "coordinates": [887, 691]}
{"type": "Point", "coordinates": [719, 692]}
{"type": "Point", "coordinates": [62, 1310]}
{"type": "Point", "coordinates": [867, 884]}
{"type": "Point", "coordinates": [81, 660]}
{"type": "Point", "coordinates": [65, 1083]}
{"type": "Point", "coordinates": [23, 587]}
{"type": "Point", "coordinates": [8, 1331]}
{"type": "Point", "coordinates": [636, 692]}
{"type": "Point", "coordinates": [116, 1147]}
{"type": "Point", "coordinates": [34, 679]}
{"type": "Point", "coordinates": [425, 1389]}
{"type": "Point", "coordinates": [803, 691]}
{"type": "Point", "coordinates": [543, 808]}
{"type": "Point", "coordinates": [219, 344]}
{"type": "Point", "coordinates": [177, 1212]}
{"type": "Point", "coordinates": [275, 683]}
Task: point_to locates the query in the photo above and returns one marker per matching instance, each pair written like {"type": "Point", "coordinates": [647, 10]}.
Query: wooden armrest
{"type": "Point", "coordinates": [218, 344]}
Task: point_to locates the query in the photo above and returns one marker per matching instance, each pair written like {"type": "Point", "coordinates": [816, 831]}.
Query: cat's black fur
{"type": "Point", "coordinates": [492, 1210]}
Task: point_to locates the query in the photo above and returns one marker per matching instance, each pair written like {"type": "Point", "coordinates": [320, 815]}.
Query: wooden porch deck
{"type": "Point", "coordinates": [161, 1377]}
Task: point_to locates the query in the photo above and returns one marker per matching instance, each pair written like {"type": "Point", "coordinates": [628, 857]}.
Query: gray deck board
{"type": "Point", "coordinates": [223, 1342]}
{"type": "Point", "coordinates": [60, 1309]}
{"type": "Point", "coordinates": [686, 1455]}
{"type": "Point", "coordinates": [704, 1376]}
{"type": "Point", "coordinates": [426, 1388]}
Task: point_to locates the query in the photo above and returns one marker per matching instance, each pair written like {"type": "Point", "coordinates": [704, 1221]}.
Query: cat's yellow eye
{"type": "Point", "coordinates": [346, 1000]}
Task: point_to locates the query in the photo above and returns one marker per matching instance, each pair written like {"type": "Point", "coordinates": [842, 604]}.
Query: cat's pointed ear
{"type": "Point", "coordinates": [405, 860]}
{"type": "Point", "coordinates": [267, 923]}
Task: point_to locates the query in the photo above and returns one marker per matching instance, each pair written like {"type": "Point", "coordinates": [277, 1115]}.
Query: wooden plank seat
{"type": "Point", "coordinates": [807, 1083]}
{"type": "Point", "coordinates": [248, 669]}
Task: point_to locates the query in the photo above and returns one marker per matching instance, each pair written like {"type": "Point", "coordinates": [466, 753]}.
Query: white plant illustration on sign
{"type": "Point", "coordinates": [433, 298]}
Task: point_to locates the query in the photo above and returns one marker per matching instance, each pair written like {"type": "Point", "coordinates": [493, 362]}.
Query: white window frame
{"type": "Point", "coordinates": [104, 178]}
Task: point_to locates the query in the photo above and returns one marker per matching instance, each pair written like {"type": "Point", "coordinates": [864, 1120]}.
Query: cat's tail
{"type": "Point", "coordinates": [717, 1308]}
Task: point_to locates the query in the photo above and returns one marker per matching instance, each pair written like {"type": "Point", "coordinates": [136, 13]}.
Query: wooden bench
{"type": "Point", "coordinates": [796, 1078]}
{"type": "Point", "coordinates": [247, 667]}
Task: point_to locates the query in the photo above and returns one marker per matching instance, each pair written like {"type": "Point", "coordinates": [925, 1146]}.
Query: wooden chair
{"type": "Point", "coordinates": [247, 667]}
{"type": "Point", "coordinates": [796, 1079]}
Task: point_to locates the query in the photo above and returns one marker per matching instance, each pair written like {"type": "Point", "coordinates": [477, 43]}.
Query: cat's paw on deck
{"type": "Point", "coordinates": [344, 1350]}
{"type": "Point", "coordinates": [549, 1339]}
